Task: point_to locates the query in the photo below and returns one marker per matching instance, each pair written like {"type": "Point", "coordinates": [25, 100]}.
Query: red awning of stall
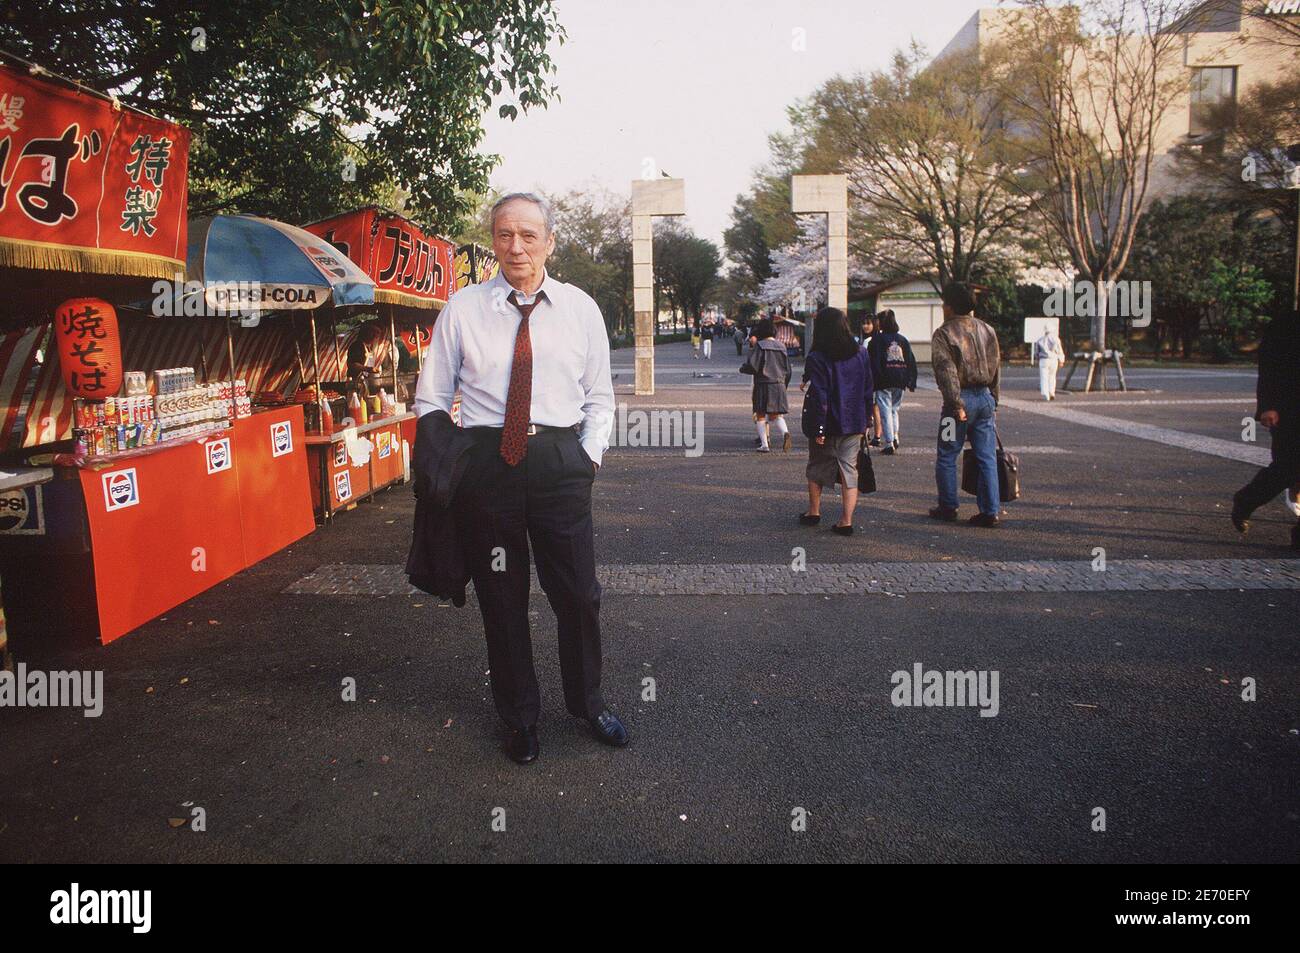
{"type": "Point", "coordinates": [89, 186]}
{"type": "Point", "coordinates": [410, 266]}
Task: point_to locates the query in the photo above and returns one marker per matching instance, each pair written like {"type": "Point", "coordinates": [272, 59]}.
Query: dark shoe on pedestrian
{"type": "Point", "coordinates": [843, 530]}
{"type": "Point", "coordinates": [608, 729]}
{"type": "Point", "coordinates": [1240, 518]}
{"type": "Point", "coordinates": [897, 443]}
{"type": "Point", "coordinates": [875, 442]}
{"type": "Point", "coordinates": [787, 442]}
{"type": "Point", "coordinates": [523, 745]}
{"type": "Point", "coordinates": [806, 519]}
{"type": "Point", "coordinates": [945, 513]}
{"type": "Point", "coordinates": [888, 451]}
{"type": "Point", "coordinates": [986, 520]}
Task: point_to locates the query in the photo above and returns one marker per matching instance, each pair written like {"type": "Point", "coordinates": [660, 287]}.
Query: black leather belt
{"type": "Point", "coordinates": [535, 429]}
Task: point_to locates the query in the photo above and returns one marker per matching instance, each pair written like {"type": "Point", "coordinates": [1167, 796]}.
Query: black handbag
{"type": "Point", "coordinates": [1008, 473]}
{"type": "Point", "coordinates": [866, 472]}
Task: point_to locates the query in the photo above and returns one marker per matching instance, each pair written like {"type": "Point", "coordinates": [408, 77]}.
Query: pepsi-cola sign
{"type": "Point", "coordinates": [340, 454]}
{"type": "Point", "coordinates": [343, 486]}
{"type": "Point", "coordinates": [21, 512]}
{"type": "Point", "coordinates": [120, 489]}
{"type": "Point", "coordinates": [219, 455]}
{"type": "Point", "coordinates": [281, 439]}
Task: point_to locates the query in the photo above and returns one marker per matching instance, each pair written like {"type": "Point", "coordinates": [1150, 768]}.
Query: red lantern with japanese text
{"type": "Point", "coordinates": [90, 347]}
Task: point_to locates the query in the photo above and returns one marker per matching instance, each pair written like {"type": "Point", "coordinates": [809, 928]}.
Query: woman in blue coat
{"type": "Point", "coordinates": [836, 410]}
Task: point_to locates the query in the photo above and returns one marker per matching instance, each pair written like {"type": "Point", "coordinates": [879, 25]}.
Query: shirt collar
{"type": "Point", "coordinates": [545, 290]}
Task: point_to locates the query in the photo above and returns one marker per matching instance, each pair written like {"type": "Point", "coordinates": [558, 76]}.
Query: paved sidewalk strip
{"type": "Point", "coordinates": [673, 579]}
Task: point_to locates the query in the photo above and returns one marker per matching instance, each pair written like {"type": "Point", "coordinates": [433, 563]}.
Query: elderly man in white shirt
{"type": "Point", "coordinates": [1050, 357]}
{"type": "Point", "coordinates": [530, 357]}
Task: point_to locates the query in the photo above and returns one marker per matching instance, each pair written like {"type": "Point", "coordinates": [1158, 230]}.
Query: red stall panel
{"type": "Point", "coordinates": [165, 526]}
{"type": "Point", "coordinates": [274, 486]}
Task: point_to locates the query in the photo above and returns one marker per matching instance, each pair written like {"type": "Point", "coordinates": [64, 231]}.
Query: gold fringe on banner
{"type": "Point", "coordinates": [388, 296]}
{"type": "Point", "coordinates": [21, 253]}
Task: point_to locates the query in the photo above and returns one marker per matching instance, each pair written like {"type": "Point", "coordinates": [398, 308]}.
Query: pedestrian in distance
{"type": "Point", "coordinates": [695, 341]}
{"type": "Point", "coordinates": [770, 367]}
{"type": "Point", "coordinates": [1050, 356]}
{"type": "Point", "coordinates": [893, 369]}
{"type": "Point", "coordinates": [739, 337]}
{"type": "Point", "coordinates": [837, 406]}
{"type": "Point", "coordinates": [870, 327]}
{"type": "Point", "coordinates": [967, 366]}
{"type": "Point", "coordinates": [1277, 407]}
{"type": "Point", "coordinates": [706, 341]}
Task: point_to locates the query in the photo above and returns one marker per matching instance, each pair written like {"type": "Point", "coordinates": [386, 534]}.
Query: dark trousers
{"type": "Point", "coordinates": [545, 498]}
{"type": "Point", "coordinates": [1281, 474]}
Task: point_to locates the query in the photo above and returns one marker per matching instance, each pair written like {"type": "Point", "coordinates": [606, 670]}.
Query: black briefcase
{"type": "Point", "coordinates": [1008, 473]}
{"type": "Point", "coordinates": [866, 472]}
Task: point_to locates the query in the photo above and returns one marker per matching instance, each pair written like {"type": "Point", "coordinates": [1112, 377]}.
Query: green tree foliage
{"type": "Point", "coordinates": [686, 268]}
{"type": "Point", "coordinates": [593, 250]}
{"type": "Point", "coordinates": [284, 96]}
{"type": "Point", "coordinates": [1213, 268]}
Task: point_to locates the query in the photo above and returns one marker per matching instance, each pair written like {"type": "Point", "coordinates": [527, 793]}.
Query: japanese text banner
{"type": "Point", "coordinates": [409, 267]}
{"type": "Point", "coordinates": [88, 187]}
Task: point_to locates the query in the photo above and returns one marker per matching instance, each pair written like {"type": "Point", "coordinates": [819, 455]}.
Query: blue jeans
{"type": "Point", "coordinates": [889, 400]}
{"type": "Point", "coordinates": [980, 427]}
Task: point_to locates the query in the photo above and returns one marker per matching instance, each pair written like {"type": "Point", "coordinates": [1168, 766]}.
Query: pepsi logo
{"type": "Point", "coordinates": [342, 486]}
{"type": "Point", "coordinates": [219, 455]}
{"type": "Point", "coordinates": [120, 489]}
{"type": "Point", "coordinates": [281, 439]}
{"type": "Point", "coordinates": [13, 509]}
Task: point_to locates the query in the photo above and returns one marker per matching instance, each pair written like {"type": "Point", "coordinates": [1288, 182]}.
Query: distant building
{"type": "Point", "coordinates": [1227, 46]}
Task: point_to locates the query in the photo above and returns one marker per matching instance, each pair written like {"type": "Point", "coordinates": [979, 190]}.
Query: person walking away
{"type": "Point", "coordinates": [870, 327]}
{"type": "Point", "coordinates": [695, 341]}
{"type": "Point", "coordinates": [837, 407]}
{"type": "Point", "coordinates": [739, 337]}
{"type": "Point", "coordinates": [770, 366]}
{"type": "Point", "coordinates": [1277, 407]}
{"type": "Point", "coordinates": [893, 369]}
{"type": "Point", "coordinates": [967, 366]}
{"type": "Point", "coordinates": [706, 341]}
{"type": "Point", "coordinates": [1050, 357]}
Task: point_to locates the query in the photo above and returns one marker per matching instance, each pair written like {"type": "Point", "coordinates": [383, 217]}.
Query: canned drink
{"type": "Point", "coordinates": [110, 412]}
{"type": "Point", "coordinates": [97, 442]}
{"type": "Point", "coordinates": [81, 442]}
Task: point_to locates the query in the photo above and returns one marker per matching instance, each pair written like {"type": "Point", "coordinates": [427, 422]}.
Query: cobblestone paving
{"type": "Point", "coordinates": [672, 579]}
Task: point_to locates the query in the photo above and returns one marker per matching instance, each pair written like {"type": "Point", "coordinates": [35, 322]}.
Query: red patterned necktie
{"type": "Point", "coordinates": [519, 399]}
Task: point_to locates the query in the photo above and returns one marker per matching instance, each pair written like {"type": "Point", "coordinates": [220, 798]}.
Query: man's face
{"type": "Point", "coordinates": [522, 243]}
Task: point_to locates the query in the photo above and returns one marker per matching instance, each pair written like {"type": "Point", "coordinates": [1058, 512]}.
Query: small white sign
{"type": "Point", "coordinates": [281, 438]}
{"type": "Point", "coordinates": [1034, 328]}
{"type": "Point", "coordinates": [120, 489]}
{"type": "Point", "coordinates": [219, 455]}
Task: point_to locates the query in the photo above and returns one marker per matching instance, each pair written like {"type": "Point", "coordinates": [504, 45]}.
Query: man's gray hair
{"type": "Point", "coordinates": [544, 206]}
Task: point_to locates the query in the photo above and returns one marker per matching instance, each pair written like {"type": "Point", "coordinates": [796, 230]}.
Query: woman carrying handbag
{"type": "Point", "coordinates": [836, 409]}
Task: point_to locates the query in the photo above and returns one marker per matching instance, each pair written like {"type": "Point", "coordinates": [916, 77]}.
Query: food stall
{"type": "Point", "coordinates": [414, 274]}
{"type": "Point", "coordinates": [140, 462]}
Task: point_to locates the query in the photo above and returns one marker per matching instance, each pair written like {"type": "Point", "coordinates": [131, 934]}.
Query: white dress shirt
{"type": "Point", "coordinates": [473, 349]}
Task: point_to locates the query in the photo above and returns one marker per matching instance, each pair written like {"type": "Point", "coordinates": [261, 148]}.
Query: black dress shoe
{"type": "Point", "coordinates": [523, 745]}
{"type": "Point", "coordinates": [888, 451]}
{"type": "Point", "coordinates": [608, 729]}
{"type": "Point", "coordinates": [807, 520]}
{"type": "Point", "coordinates": [986, 520]}
{"type": "Point", "coordinates": [947, 514]}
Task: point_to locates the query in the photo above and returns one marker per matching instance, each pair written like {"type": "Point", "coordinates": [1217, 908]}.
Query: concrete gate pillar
{"type": "Point", "coordinates": [650, 197]}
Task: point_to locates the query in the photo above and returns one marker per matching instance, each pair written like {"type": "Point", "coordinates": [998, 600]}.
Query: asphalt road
{"type": "Point", "coordinates": [764, 702]}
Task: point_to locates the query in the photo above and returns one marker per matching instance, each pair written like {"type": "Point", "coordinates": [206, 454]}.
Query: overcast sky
{"type": "Point", "coordinates": [696, 86]}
